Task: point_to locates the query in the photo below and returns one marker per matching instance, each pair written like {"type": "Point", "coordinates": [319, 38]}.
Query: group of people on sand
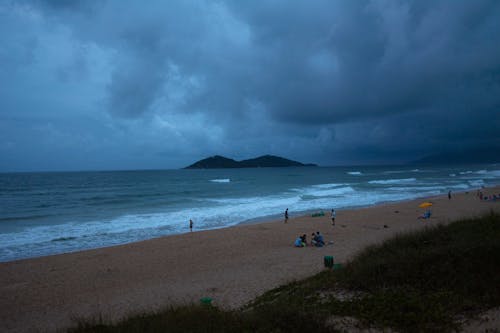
{"type": "Point", "coordinates": [316, 240]}
{"type": "Point", "coordinates": [492, 197]}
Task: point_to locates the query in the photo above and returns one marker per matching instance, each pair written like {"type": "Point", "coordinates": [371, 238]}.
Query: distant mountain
{"type": "Point", "coordinates": [266, 161]}
{"type": "Point", "coordinates": [481, 155]}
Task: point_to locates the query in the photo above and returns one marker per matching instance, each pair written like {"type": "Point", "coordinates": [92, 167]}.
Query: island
{"type": "Point", "coordinates": [266, 161]}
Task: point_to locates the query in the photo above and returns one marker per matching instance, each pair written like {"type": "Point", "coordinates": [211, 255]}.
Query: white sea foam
{"type": "Point", "coordinates": [355, 173]}
{"type": "Point", "coordinates": [224, 180]}
{"type": "Point", "coordinates": [393, 181]}
{"type": "Point", "coordinates": [476, 182]}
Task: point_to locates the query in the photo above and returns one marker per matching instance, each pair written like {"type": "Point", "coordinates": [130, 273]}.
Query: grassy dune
{"type": "Point", "coordinates": [424, 281]}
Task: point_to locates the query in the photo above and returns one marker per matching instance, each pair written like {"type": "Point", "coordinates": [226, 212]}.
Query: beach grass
{"type": "Point", "coordinates": [428, 280]}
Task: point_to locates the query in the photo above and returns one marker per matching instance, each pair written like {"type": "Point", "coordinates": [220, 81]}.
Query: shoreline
{"type": "Point", "coordinates": [257, 220]}
{"type": "Point", "coordinates": [232, 265]}
{"type": "Point", "coordinates": [307, 213]}
{"type": "Point", "coordinates": [76, 231]}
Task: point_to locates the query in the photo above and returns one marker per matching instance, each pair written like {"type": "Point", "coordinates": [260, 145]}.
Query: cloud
{"type": "Point", "coordinates": [323, 81]}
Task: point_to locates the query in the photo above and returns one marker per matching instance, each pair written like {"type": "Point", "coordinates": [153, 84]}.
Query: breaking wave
{"type": "Point", "coordinates": [223, 180]}
{"type": "Point", "coordinates": [393, 181]}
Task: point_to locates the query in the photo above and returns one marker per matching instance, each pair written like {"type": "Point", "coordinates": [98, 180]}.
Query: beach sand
{"type": "Point", "coordinates": [232, 265]}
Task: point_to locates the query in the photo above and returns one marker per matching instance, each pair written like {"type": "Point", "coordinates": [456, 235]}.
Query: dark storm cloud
{"type": "Point", "coordinates": [326, 81]}
{"type": "Point", "coordinates": [387, 59]}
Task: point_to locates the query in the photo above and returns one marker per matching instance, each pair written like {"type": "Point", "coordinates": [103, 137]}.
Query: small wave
{"type": "Point", "coordinates": [333, 185]}
{"type": "Point", "coordinates": [394, 171]}
{"type": "Point", "coordinates": [224, 180]}
{"type": "Point", "coordinates": [460, 186]}
{"type": "Point", "coordinates": [418, 189]}
{"type": "Point", "coordinates": [479, 172]}
{"type": "Point", "coordinates": [401, 171]}
{"type": "Point", "coordinates": [453, 174]}
{"type": "Point", "coordinates": [22, 218]}
{"type": "Point", "coordinates": [494, 173]}
{"type": "Point", "coordinates": [62, 239]}
{"type": "Point", "coordinates": [489, 174]}
{"type": "Point", "coordinates": [392, 181]}
{"type": "Point", "coordinates": [327, 192]}
{"type": "Point", "coordinates": [355, 173]}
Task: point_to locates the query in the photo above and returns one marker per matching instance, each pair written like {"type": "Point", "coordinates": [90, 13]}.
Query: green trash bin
{"type": "Point", "coordinates": [206, 301]}
{"type": "Point", "coordinates": [328, 260]}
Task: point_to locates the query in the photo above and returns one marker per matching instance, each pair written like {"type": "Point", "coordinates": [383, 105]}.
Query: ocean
{"type": "Point", "coordinates": [58, 212]}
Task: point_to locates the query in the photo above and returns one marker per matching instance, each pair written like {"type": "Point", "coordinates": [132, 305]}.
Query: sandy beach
{"type": "Point", "coordinates": [231, 265]}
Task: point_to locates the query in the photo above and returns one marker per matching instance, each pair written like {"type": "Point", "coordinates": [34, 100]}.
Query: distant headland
{"type": "Point", "coordinates": [266, 161]}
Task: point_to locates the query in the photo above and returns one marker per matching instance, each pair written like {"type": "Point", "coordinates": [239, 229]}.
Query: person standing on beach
{"type": "Point", "coordinates": [191, 225]}
{"type": "Point", "coordinates": [333, 216]}
{"type": "Point", "coordinates": [286, 215]}
{"type": "Point", "coordinates": [449, 195]}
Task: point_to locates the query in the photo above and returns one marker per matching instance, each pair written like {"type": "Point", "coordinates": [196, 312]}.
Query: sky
{"type": "Point", "coordinates": [112, 85]}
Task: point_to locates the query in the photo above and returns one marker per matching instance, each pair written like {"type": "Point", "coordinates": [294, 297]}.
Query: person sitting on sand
{"type": "Point", "coordinates": [425, 215]}
{"type": "Point", "coordinates": [299, 242]}
{"type": "Point", "coordinates": [319, 239]}
{"type": "Point", "coordinates": [304, 239]}
{"type": "Point", "coordinates": [313, 239]}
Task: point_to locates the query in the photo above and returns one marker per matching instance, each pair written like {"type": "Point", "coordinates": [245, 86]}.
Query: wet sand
{"type": "Point", "coordinates": [231, 265]}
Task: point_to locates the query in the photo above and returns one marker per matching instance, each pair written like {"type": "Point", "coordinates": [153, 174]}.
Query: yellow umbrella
{"type": "Point", "coordinates": [425, 204]}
